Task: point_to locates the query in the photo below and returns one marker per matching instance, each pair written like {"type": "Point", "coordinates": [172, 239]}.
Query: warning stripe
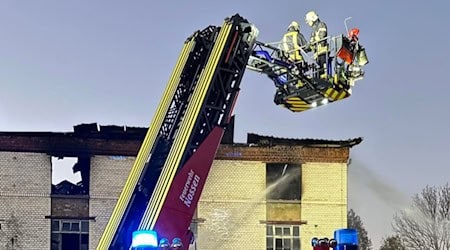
{"type": "Point", "coordinates": [298, 109]}
{"type": "Point", "coordinates": [335, 95]}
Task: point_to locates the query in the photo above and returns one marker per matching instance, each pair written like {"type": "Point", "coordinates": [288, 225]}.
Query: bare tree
{"type": "Point", "coordinates": [392, 243]}
{"type": "Point", "coordinates": [426, 225]}
{"type": "Point", "coordinates": [355, 222]}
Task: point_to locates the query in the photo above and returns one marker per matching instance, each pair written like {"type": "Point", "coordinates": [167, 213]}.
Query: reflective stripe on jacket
{"type": "Point", "coordinates": [319, 32]}
{"type": "Point", "coordinates": [291, 44]}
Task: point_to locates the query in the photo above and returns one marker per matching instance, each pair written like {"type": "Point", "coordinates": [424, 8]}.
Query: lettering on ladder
{"type": "Point", "coordinates": [190, 187]}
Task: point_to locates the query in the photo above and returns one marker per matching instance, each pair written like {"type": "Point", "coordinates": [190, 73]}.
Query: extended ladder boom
{"type": "Point", "coordinates": [166, 180]}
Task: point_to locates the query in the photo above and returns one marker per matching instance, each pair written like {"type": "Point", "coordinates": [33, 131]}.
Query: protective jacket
{"type": "Point", "coordinates": [319, 32]}
{"type": "Point", "coordinates": [292, 41]}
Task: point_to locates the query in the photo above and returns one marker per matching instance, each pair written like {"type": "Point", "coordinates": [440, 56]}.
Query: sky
{"type": "Point", "coordinates": [64, 63]}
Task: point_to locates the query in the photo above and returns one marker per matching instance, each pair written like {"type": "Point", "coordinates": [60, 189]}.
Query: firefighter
{"type": "Point", "coordinates": [292, 42]}
{"type": "Point", "coordinates": [318, 42]}
{"type": "Point", "coordinates": [291, 46]}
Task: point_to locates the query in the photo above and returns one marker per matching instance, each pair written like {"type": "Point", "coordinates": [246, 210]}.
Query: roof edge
{"type": "Point", "coordinates": [262, 140]}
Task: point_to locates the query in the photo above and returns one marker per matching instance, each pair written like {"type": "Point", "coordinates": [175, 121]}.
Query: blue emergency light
{"type": "Point", "coordinates": [144, 238]}
{"type": "Point", "coordinates": [346, 236]}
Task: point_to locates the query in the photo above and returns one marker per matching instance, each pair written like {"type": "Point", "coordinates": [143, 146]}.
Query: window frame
{"type": "Point", "coordinates": [276, 233]}
{"type": "Point", "coordinates": [74, 227]}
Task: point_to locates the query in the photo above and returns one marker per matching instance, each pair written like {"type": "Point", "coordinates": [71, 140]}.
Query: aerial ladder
{"type": "Point", "coordinates": [163, 188]}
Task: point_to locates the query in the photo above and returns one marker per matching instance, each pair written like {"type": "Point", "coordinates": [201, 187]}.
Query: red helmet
{"type": "Point", "coordinates": [353, 33]}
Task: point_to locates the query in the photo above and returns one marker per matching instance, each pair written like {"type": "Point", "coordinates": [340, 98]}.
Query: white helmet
{"type": "Point", "coordinates": [294, 26]}
{"type": "Point", "coordinates": [311, 17]}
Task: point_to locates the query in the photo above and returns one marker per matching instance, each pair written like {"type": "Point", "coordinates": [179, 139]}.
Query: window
{"type": "Point", "coordinates": [70, 175]}
{"type": "Point", "coordinates": [70, 235]}
{"type": "Point", "coordinates": [283, 237]}
{"type": "Point", "coordinates": [283, 181]}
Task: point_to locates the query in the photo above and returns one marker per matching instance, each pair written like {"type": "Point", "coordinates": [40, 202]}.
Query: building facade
{"type": "Point", "coordinates": [263, 194]}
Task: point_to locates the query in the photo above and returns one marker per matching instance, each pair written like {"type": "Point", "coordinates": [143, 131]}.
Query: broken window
{"type": "Point", "coordinates": [70, 234]}
{"type": "Point", "coordinates": [70, 175]}
{"type": "Point", "coordinates": [283, 181]}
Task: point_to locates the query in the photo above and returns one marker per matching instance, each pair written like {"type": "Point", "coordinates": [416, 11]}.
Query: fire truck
{"type": "Point", "coordinates": [344, 239]}
{"type": "Point", "coordinates": [163, 188]}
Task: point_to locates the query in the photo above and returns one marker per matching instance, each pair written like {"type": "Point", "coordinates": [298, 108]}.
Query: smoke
{"type": "Point", "coordinates": [375, 199]}
{"type": "Point", "coordinates": [364, 180]}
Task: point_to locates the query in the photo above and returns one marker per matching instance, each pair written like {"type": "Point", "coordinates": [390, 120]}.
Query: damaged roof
{"type": "Point", "coordinates": [92, 139]}
{"type": "Point", "coordinates": [261, 140]}
{"type": "Point", "coordinates": [91, 130]}
{"type": "Point", "coordinates": [87, 139]}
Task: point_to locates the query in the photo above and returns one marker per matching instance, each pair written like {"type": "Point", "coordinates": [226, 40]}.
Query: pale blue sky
{"type": "Point", "coordinates": [69, 62]}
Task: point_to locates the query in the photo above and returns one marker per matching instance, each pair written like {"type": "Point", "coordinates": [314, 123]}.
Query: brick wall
{"type": "Point", "coordinates": [70, 207]}
{"type": "Point", "coordinates": [232, 205]}
{"type": "Point", "coordinates": [25, 186]}
{"type": "Point", "coordinates": [285, 211]}
{"type": "Point", "coordinates": [324, 199]}
{"type": "Point", "coordinates": [286, 154]}
{"type": "Point", "coordinates": [108, 177]}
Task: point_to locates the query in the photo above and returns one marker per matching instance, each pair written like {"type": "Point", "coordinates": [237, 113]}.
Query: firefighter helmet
{"type": "Point", "coordinates": [294, 26]}
{"type": "Point", "coordinates": [311, 17]}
